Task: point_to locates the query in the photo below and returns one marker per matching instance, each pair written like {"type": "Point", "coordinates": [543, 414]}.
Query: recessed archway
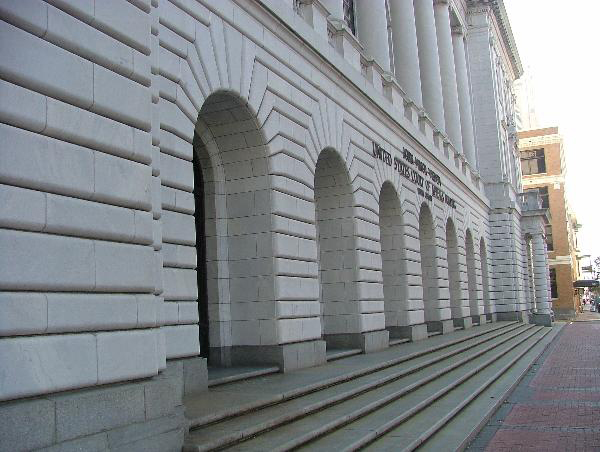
{"type": "Point", "coordinates": [487, 302]}
{"type": "Point", "coordinates": [429, 270]}
{"type": "Point", "coordinates": [471, 275]}
{"type": "Point", "coordinates": [337, 248]}
{"type": "Point", "coordinates": [453, 272]}
{"type": "Point", "coordinates": [393, 257]}
{"type": "Point", "coordinates": [233, 246]}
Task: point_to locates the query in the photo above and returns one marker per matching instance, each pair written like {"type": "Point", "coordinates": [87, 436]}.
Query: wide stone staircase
{"type": "Point", "coordinates": [433, 394]}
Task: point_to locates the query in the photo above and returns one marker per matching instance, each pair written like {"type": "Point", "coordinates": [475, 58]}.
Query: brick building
{"type": "Point", "coordinates": [544, 169]}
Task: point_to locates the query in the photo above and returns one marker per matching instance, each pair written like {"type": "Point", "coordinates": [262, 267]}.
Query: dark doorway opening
{"type": "Point", "coordinates": [201, 269]}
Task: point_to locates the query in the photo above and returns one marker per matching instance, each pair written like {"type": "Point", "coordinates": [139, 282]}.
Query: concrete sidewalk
{"type": "Point", "coordinates": [556, 407]}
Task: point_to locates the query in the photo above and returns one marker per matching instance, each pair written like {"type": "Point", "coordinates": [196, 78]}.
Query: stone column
{"type": "Point", "coordinates": [372, 30]}
{"type": "Point", "coordinates": [406, 52]}
{"type": "Point", "coordinates": [429, 62]}
{"type": "Point", "coordinates": [464, 95]}
{"type": "Point", "coordinates": [448, 72]}
{"type": "Point", "coordinates": [541, 276]}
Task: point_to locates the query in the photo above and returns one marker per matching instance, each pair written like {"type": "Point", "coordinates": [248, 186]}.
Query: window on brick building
{"type": "Point", "coordinates": [533, 162]}
{"type": "Point", "coordinates": [549, 240]}
{"type": "Point", "coordinates": [349, 15]}
{"type": "Point", "coordinates": [553, 286]}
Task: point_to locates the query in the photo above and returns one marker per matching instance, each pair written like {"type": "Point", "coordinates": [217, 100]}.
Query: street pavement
{"type": "Point", "coordinates": [556, 407]}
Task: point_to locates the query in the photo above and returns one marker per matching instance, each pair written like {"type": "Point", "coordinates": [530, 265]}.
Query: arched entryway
{"type": "Point", "coordinates": [429, 270]}
{"type": "Point", "coordinates": [233, 245]}
{"type": "Point", "coordinates": [487, 301]}
{"type": "Point", "coordinates": [337, 249]}
{"type": "Point", "coordinates": [454, 274]}
{"type": "Point", "coordinates": [393, 258]}
{"type": "Point", "coordinates": [472, 277]}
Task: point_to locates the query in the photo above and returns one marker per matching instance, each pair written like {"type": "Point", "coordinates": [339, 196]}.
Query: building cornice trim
{"type": "Point", "coordinates": [499, 10]}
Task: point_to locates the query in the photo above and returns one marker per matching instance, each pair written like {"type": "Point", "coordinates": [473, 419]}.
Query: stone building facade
{"type": "Point", "coordinates": [244, 182]}
{"type": "Point", "coordinates": [544, 170]}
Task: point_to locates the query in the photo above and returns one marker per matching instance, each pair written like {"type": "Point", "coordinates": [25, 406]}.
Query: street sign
{"type": "Point", "coordinates": [586, 283]}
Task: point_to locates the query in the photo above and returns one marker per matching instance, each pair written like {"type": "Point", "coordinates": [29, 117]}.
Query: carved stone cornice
{"type": "Point", "coordinates": [480, 10]}
{"type": "Point", "coordinates": [499, 11]}
{"type": "Point", "coordinates": [459, 30]}
{"type": "Point", "coordinates": [339, 27]}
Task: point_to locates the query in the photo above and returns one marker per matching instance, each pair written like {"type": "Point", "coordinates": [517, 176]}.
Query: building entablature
{"type": "Point", "coordinates": [379, 76]}
{"type": "Point", "coordinates": [503, 30]}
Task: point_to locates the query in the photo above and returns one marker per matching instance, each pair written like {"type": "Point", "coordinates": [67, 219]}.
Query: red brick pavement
{"type": "Point", "coordinates": [513, 440]}
{"type": "Point", "coordinates": [567, 396]}
{"type": "Point", "coordinates": [559, 408]}
{"type": "Point", "coordinates": [553, 416]}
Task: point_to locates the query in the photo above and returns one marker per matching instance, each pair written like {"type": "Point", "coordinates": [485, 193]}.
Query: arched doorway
{"type": "Point", "coordinates": [472, 277]}
{"type": "Point", "coordinates": [232, 216]}
{"type": "Point", "coordinates": [337, 249]}
{"type": "Point", "coordinates": [393, 258]}
{"type": "Point", "coordinates": [201, 264]}
{"type": "Point", "coordinates": [429, 270]}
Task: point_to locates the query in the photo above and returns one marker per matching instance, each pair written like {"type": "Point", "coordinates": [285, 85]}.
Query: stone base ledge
{"type": "Point", "coordinates": [412, 332]}
{"type": "Point", "coordinates": [540, 319]}
{"type": "Point", "coordinates": [368, 342]}
{"type": "Point", "coordinates": [479, 319]}
{"type": "Point", "coordinates": [492, 316]}
{"type": "Point", "coordinates": [442, 326]}
{"type": "Point", "coordinates": [287, 357]}
{"type": "Point", "coordinates": [513, 316]}
{"type": "Point", "coordinates": [145, 414]}
{"type": "Point", "coordinates": [463, 322]}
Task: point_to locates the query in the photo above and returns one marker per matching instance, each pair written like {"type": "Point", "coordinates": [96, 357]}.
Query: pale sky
{"type": "Point", "coordinates": [558, 42]}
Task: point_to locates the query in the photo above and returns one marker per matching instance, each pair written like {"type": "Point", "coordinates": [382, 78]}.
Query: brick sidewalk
{"type": "Point", "coordinates": [556, 407]}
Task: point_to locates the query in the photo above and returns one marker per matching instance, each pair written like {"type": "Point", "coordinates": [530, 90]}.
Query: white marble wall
{"type": "Point", "coordinates": [79, 295]}
{"type": "Point", "coordinates": [97, 117]}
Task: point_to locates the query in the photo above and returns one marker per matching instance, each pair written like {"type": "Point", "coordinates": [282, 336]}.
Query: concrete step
{"type": "Point", "coordinates": [460, 430]}
{"type": "Point", "coordinates": [454, 392]}
{"type": "Point", "coordinates": [248, 423]}
{"type": "Point", "coordinates": [398, 341]}
{"type": "Point", "coordinates": [339, 353]}
{"type": "Point", "coordinates": [222, 375]}
{"type": "Point", "coordinates": [237, 398]}
{"type": "Point", "coordinates": [346, 420]}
